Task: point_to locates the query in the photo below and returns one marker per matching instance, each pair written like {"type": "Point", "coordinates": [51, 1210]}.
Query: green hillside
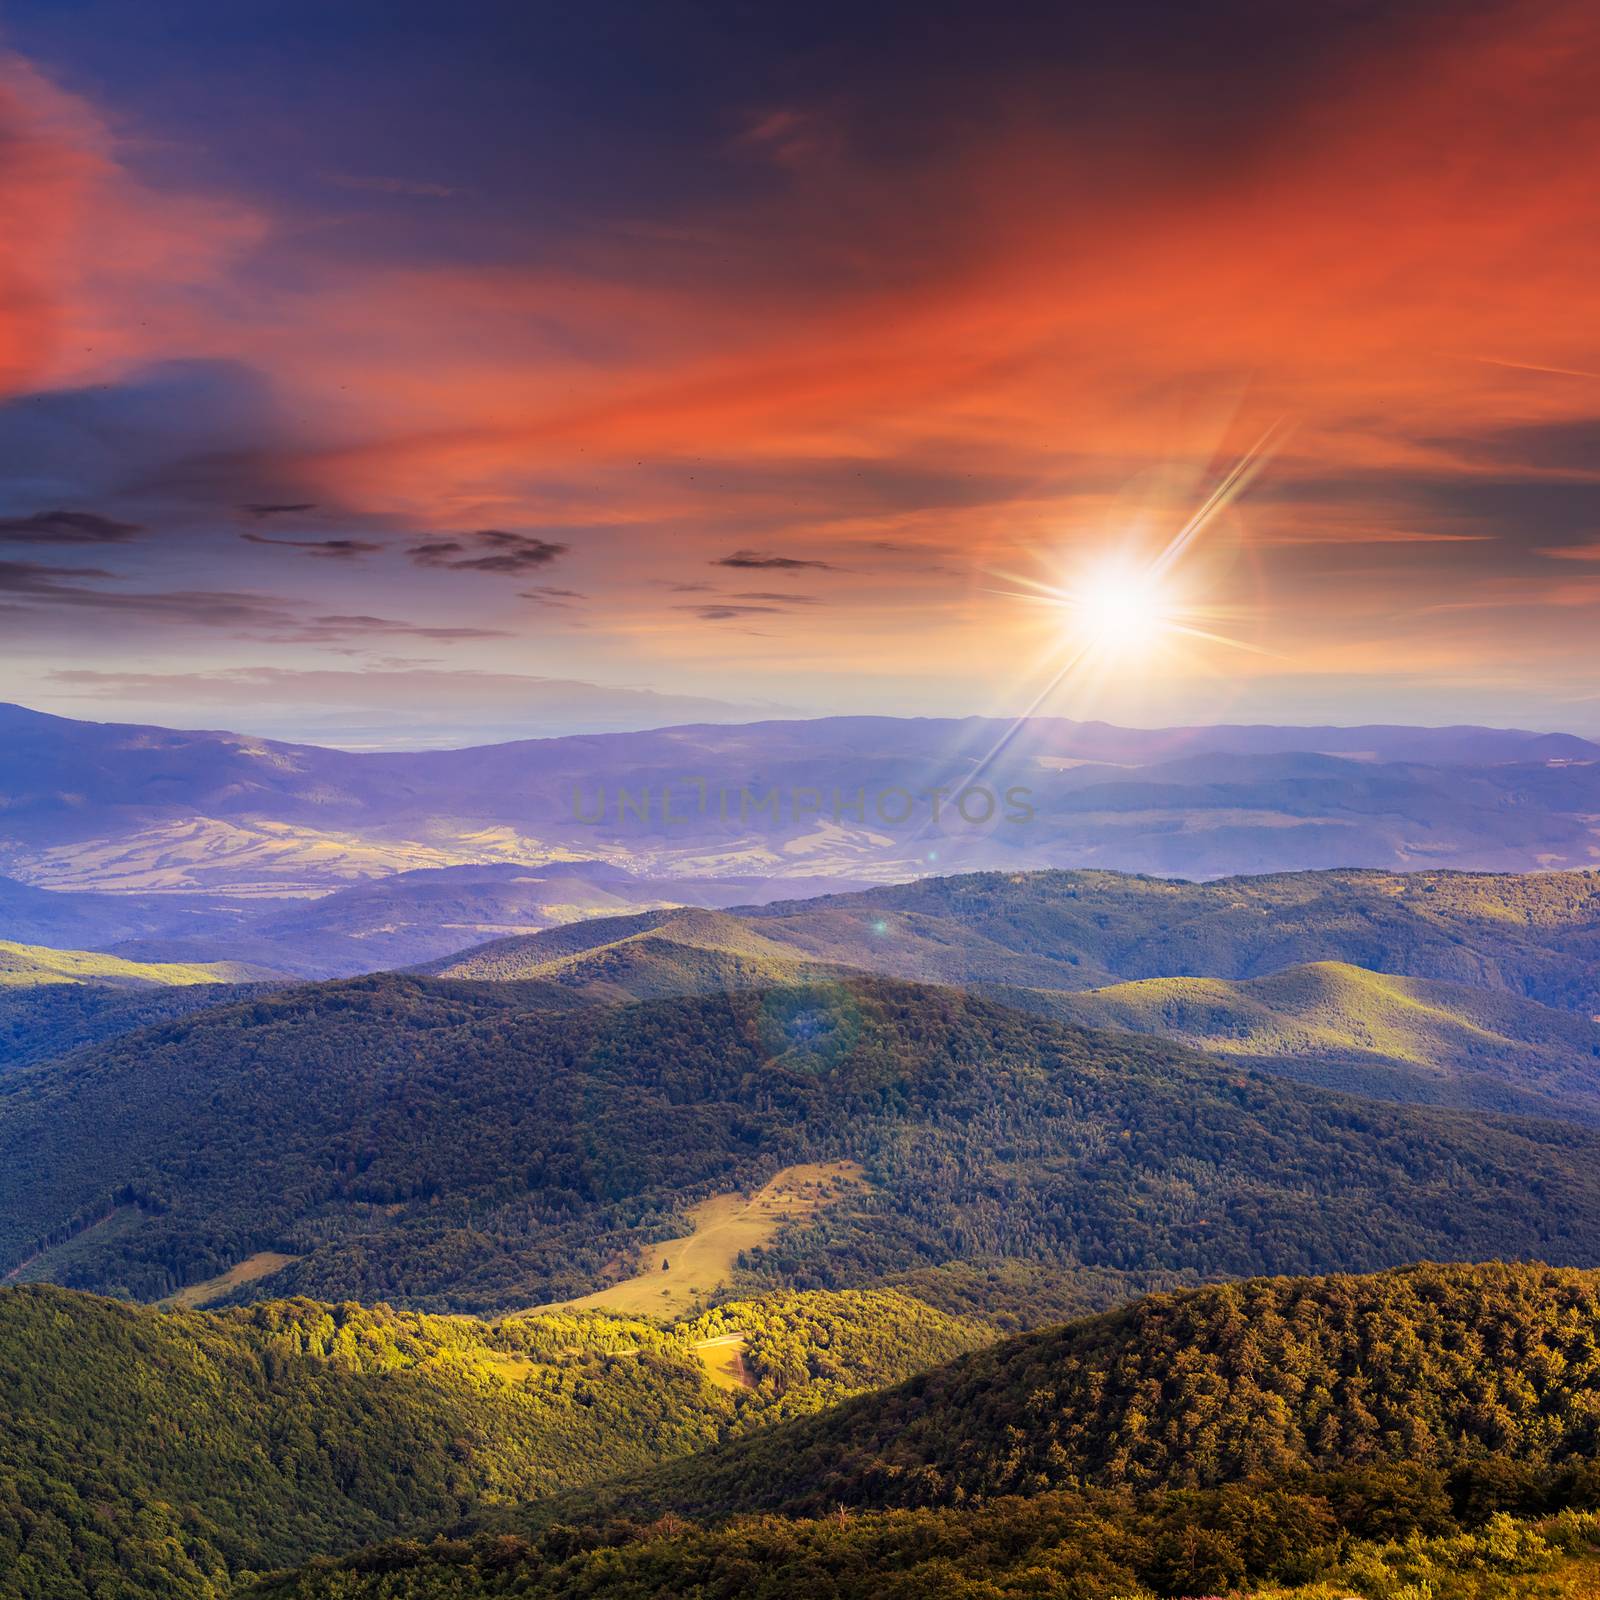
{"type": "Point", "coordinates": [1361, 1433]}
{"type": "Point", "coordinates": [30, 965]}
{"type": "Point", "coordinates": [1535, 935]}
{"type": "Point", "coordinates": [448, 1146]}
{"type": "Point", "coordinates": [1429, 1431]}
{"type": "Point", "coordinates": [1427, 1367]}
{"type": "Point", "coordinates": [160, 1454]}
{"type": "Point", "coordinates": [1351, 1028]}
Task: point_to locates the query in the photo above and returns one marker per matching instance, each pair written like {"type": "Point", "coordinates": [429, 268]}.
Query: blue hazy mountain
{"type": "Point", "coordinates": [146, 811]}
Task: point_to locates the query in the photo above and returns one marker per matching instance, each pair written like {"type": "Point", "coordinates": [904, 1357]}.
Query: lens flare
{"type": "Point", "coordinates": [1125, 607]}
{"type": "Point", "coordinates": [1119, 609]}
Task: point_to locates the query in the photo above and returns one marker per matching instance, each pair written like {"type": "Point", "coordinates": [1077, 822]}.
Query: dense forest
{"type": "Point", "coordinates": [1428, 1366]}
{"type": "Point", "coordinates": [1391, 1536]}
{"type": "Point", "coordinates": [39, 1021]}
{"type": "Point", "coordinates": [460, 1146]}
{"type": "Point", "coordinates": [159, 1454]}
{"type": "Point", "coordinates": [1422, 1432]}
{"type": "Point", "coordinates": [1435, 1424]}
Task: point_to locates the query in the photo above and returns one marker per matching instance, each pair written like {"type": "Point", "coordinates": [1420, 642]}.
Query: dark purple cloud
{"type": "Point", "coordinates": [330, 549]}
{"type": "Point", "coordinates": [488, 550]}
{"type": "Point", "coordinates": [66, 527]}
{"type": "Point", "coordinates": [755, 560]}
{"type": "Point", "coordinates": [725, 613]}
{"type": "Point", "coordinates": [343, 629]}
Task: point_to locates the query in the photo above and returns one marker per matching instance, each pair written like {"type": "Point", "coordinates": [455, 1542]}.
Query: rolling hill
{"type": "Point", "coordinates": [1373, 1033]}
{"type": "Point", "coordinates": [686, 951]}
{"type": "Point", "coordinates": [1532, 935]}
{"type": "Point", "coordinates": [1425, 1431]}
{"type": "Point", "coordinates": [31, 966]}
{"type": "Point", "coordinates": [472, 1146]}
{"type": "Point", "coordinates": [165, 1454]}
{"type": "Point", "coordinates": [1487, 994]}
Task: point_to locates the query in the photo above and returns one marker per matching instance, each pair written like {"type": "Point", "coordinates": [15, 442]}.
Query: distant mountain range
{"type": "Point", "coordinates": [223, 819]}
{"type": "Point", "coordinates": [392, 921]}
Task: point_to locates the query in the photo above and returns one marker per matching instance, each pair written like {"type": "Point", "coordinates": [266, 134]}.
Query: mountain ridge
{"type": "Point", "coordinates": [481, 1146]}
{"type": "Point", "coordinates": [170, 810]}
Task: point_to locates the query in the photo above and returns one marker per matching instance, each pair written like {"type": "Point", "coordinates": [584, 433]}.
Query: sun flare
{"type": "Point", "coordinates": [1119, 609]}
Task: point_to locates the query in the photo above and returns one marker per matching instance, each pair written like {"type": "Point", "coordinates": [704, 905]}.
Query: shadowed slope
{"type": "Point", "coordinates": [465, 1145]}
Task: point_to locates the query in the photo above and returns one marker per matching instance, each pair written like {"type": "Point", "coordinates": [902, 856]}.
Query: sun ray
{"type": "Point", "coordinates": [1121, 607]}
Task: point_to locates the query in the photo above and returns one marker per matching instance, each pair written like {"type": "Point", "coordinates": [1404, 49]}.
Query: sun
{"type": "Point", "coordinates": [1119, 608]}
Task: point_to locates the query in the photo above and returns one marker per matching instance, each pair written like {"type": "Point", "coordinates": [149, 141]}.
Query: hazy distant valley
{"type": "Point", "coordinates": [179, 846]}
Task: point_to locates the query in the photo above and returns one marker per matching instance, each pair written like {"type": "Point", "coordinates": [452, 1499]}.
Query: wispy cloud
{"type": "Point", "coordinates": [756, 560]}
{"type": "Point", "coordinates": [727, 613]}
{"type": "Point", "coordinates": [488, 550]}
{"type": "Point", "coordinates": [338, 629]}
{"type": "Point", "coordinates": [66, 527]}
{"type": "Point", "coordinates": [40, 588]}
{"type": "Point", "coordinates": [543, 595]}
{"type": "Point", "coordinates": [44, 587]}
{"type": "Point", "coordinates": [330, 549]}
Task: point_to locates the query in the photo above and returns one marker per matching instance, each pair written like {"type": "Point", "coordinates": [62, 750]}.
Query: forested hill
{"type": "Point", "coordinates": [38, 1021]}
{"type": "Point", "coordinates": [1535, 935]}
{"type": "Point", "coordinates": [150, 1455]}
{"type": "Point", "coordinates": [453, 1146]}
{"type": "Point", "coordinates": [1425, 1367]}
{"type": "Point", "coordinates": [1471, 990]}
{"type": "Point", "coordinates": [1429, 1431]}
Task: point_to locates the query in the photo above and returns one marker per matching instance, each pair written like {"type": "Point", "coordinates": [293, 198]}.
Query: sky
{"type": "Point", "coordinates": [401, 373]}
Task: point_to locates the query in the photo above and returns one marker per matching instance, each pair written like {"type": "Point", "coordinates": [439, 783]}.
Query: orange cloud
{"type": "Point", "coordinates": [1007, 345]}
{"type": "Point", "coordinates": [94, 265]}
